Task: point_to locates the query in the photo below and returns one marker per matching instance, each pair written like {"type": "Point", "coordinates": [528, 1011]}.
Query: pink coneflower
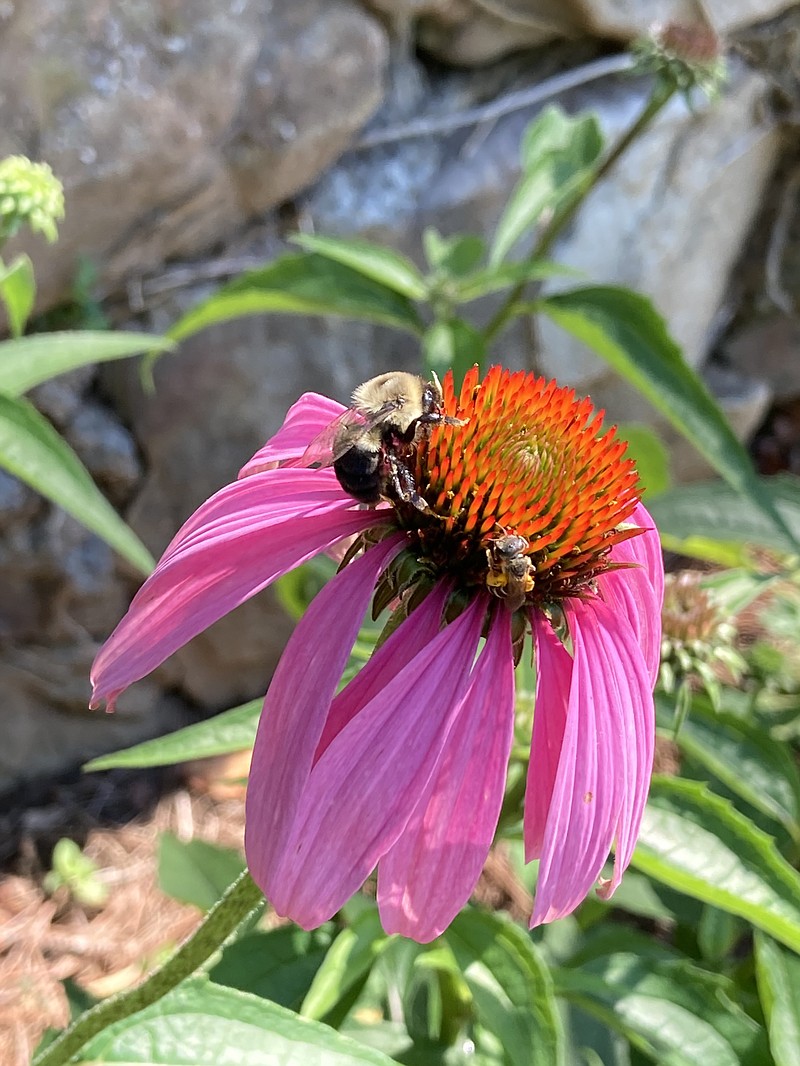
{"type": "Point", "coordinates": [533, 526]}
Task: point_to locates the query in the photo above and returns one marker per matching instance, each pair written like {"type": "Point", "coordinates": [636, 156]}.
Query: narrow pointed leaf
{"type": "Point", "coordinates": [28, 361]}
{"type": "Point", "coordinates": [778, 975]}
{"type": "Point", "coordinates": [718, 511]}
{"type": "Point", "coordinates": [625, 329]}
{"type": "Point", "coordinates": [504, 275]}
{"type": "Point", "coordinates": [233, 730]}
{"type": "Point", "coordinates": [203, 1024]}
{"type": "Point", "coordinates": [743, 756]}
{"type": "Point", "coordinates": [453, 345]}
{"type": "Point", "coordinates": [511, 987]}
{"type": "Point", "coordinates": [306, 284]}
{"type": "Point", "coordinates": [31, 450]}
{"type": "Point", "coordinates": [697, 843]}
{"type": "Point", "coordinates": [374, 261]}
{"type": "Point", "coordinates": [18, 293]}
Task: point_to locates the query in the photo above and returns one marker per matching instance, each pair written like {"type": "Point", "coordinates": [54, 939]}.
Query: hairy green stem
{"type": "Point", "coordinates": [660, 96]}
{"type": "Point", "coordinates": [238, 904]}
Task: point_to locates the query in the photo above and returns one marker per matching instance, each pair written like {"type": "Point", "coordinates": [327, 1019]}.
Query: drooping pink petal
{"type": "Point", "coordinates": [298, 702]}
{"type": "Point", "coordinates": [553, 677]}
{"type": "Point", "coordinates": [235, 544]}
{"type": "Point", "coordinates": [430, 872]}
{"type": "Point", "coordinates": [304, 420]}
{"type": "Point", "coordinates": [410, 637]}
{"type": "Point", "coordinates": [604, 765]}
{"type": "Point", "coordinates": [637, 592]}
{"type": "Point", "coordinates": [364, 788]}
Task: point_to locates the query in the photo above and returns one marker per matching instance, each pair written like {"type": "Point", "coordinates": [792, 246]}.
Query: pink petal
{"type": "Point", "coordinates": [431, 871]}
{"type": "Point", "coordinates": [637, 592]}
{"type": "Point", "coordinates": [553, 677]}
{"type": "Point", "coordinates": [304, 420]}
{"type": "Point", "coordinates": [235, 544]}
{"type": "Point", "coordinates": [298, 701]}
{"type": "Point", "coordinates": [410, 637]}
{"type": "Point", "coordinates": [365, 786]}
{"type": "Point", "coordinates": [605, 761]}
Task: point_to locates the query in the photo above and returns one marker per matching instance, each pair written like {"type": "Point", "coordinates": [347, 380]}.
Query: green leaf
{"type": "Point", "coordinates": [744, 757]}
{"type": "Point", "coordinates": [650, 455]}
{"type": "Point", "coordinates": [195, 871]}
{"type": "Point", "coordinates": [697, 843]}
{"type": "Point", "coordinates": [778, 975]}
{"type": "Point", "coordinates": [625, 329]}
{"type": "Point", "coordinates": [452, 256]}
{"type": "Point", "coordinates": [233, 730]}
{"type": "Point", "coordinates": [455, 345]}
{"type": "Point", "coordinates": [718, 511]}
{"type": "Point", "coordinates": [345, 968]}
{"type": "Point", "coordinates": [675, 1012]}
{"type": "Point", "coordinates": [504, 275]}
{"type": "Point", "coordinates": [18, 292]}
{"type": "Point", "coordinates": [511, 987]}
{"type": "Point", "coordinates": [278, 965]}
{"type": "Point", "coordinates": [31, 450]}
{"type": "Point", "coordinates": [306, 284]}
{"type": "Point", "coordinates": [558, 153]}
{"type": "Point", "coordinates": [203, 1024]}
{"type": "Point", "coordinates": [374, 261]}
{"type": "Point", "coordinates": [29, 361]}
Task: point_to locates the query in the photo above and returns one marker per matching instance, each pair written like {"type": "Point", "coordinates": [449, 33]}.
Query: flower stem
{"type": "Point", "coordinates": [238, 903]}
{"type": "Point", "coordinates": [662, 93]}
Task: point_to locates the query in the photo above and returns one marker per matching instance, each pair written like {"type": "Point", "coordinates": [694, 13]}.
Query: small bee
{"type": "Point", "coordinates": [369, 443]}
{"type": "Point", "coordinates": [511, 572]}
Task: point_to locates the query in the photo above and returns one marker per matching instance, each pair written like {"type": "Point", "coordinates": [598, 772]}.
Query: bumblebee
{"type": "Point", "coordinates": [370, 443]}
{"type": "Point", "coordinates": [511, 572]}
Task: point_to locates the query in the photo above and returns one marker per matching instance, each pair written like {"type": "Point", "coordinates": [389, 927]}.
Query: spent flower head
{"type": "Point", "coordinates": [505, 513]}
{"type": "Point", "coordinates": [684, 57]}
{"type": "Point", "coordinates": [30, 194]}
{"type": "Point", "coordinates": [698, 639]}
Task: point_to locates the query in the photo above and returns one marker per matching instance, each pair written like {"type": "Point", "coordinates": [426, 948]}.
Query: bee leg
{"type": "Point", "coordinates": [403, 484]}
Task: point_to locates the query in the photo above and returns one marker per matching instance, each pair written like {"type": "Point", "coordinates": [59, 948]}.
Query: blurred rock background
{"type": "Point", "coordinates": [194, 136]}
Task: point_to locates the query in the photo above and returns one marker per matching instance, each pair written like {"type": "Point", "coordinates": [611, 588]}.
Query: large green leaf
{"type": "Point", "coordinates": [558, 153]}
{"type": "Point", "coordinates": [374, 261]}
{"type": "Point", "coordinates": [203, 1024]}
{"type": "Point", "coordinates": [308, 284]}
{"type": "Point", "coordinates": [28, 361]}
{"type": "Point", "coordinates": [743, 756]}
{"type": "Point", "coordinates": [233, 730]}
{"type": "Point", "coordinates": [18, 292]}
{"type": "Point", "coordinates": [647, 450]}
{"type": "Point", "coordinates": [196, 871]}
{"type": "Point", "coordinates": [718, 511]}
{"type": "Point", "coordinates": [511, 987]}
{"type": "Point", "coordinates": [278, 964]}
{"type": "Point", "coordinates": [625, 329]}
{"type": "Point", "coordinates": [778, 975]}
{"type": "Point", "coordinates": [698, 843]}
{"type": "Point", "coordinates": [31, 450]}
{"type": "Point", "coordinates": [675, 1012]}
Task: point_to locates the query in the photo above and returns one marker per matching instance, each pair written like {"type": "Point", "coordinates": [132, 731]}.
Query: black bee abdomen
{"type": "Point", "coordinates": [358, 472]}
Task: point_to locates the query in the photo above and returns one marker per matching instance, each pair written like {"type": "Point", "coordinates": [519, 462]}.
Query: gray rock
{"type": "Point", "coordinates": [171, 126]}
{"type": "Point", "coordinates": [474, 32]}
{"type": "Point", "coordinates": [770, 348]}
{"type": "Point", "coordinates": [107, 450]}
{"type": "Point", "coordinates": [60, 399]}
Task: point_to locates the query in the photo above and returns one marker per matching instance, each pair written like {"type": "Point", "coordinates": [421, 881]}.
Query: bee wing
{"type": "Point", "coordinates": [340, 435]}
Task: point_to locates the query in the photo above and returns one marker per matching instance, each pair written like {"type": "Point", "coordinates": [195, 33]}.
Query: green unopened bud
{"type": "Point", "coordinates": [30, 194]}
{"type": "Point", "coordinates": [684, 57]}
